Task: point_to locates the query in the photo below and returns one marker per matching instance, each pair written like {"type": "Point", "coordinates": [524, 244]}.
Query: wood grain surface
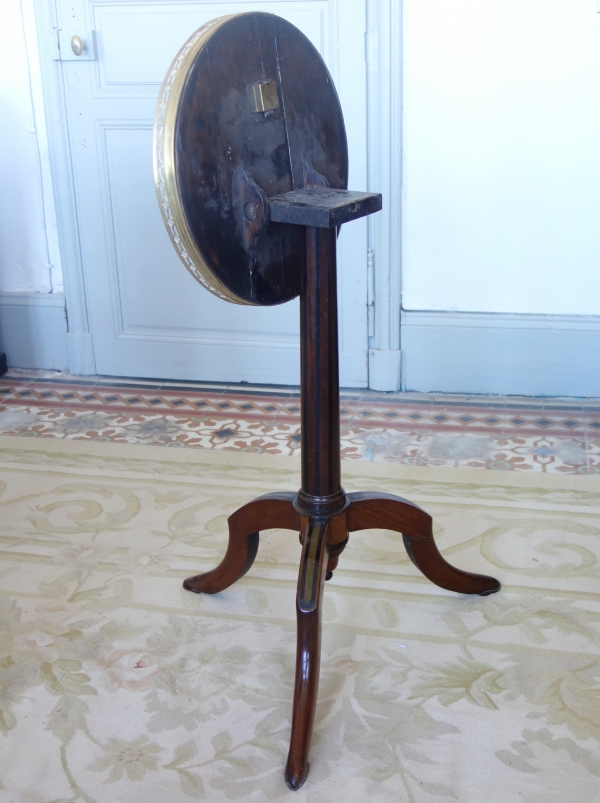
{"type": "Point", "coordinates": [218, 133]}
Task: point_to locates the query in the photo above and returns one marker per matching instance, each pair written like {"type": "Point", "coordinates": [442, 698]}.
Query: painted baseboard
{"type": "Point", "coordinates": [532, 355]}
{"type": "Point", "coordinates": [33, 327]}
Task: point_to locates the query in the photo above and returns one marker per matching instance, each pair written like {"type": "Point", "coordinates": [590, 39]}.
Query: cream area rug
{"type": "Point", "coordinates": [118, 686]}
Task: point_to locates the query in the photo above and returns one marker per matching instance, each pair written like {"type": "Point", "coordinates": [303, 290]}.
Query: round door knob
{"type": "Point", "coordinates": [77, 45]}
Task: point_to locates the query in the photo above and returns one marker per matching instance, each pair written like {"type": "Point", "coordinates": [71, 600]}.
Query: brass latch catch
{"type": "Point", "coordinates": [263, 96]}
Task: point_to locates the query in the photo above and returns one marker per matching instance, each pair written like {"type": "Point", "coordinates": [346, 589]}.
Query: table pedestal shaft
{"type": "Point", "coordinates": [321, 512]}
{"type": "Point", "coordinates": [321, 492]}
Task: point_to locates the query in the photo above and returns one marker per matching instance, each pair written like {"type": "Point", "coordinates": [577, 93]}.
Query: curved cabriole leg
{"type": "Point", "coordinates": [271, 510]}
{"type": "Point", "coordinates": [377, 510]}
{"type": "Point", "coordinates": [311, 580]}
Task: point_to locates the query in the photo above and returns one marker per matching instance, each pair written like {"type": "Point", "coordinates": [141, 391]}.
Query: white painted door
{"type": "Point", "coordinates": [148, 317]}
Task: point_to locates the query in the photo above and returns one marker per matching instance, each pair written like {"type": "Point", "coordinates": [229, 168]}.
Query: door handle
{"type": "Point", "coordinates": [76, 45]}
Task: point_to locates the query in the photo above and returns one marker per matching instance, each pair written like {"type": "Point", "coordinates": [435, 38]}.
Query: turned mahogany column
{"type": "Point", "coordinates": [321, 492]}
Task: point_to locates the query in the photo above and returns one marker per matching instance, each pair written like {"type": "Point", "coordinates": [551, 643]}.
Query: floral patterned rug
{"type": "Point", "coordinates": [117, 685]}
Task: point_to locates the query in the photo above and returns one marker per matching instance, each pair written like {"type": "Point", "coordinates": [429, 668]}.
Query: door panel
{"type": "Point", "coordinates": [148, 316]}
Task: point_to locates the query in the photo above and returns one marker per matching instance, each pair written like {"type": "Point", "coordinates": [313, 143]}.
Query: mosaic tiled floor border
{"type": "Point", "coordinates": [499, 433]}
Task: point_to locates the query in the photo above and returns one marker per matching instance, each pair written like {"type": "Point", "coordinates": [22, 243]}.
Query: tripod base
{"type": "Point", "coordinates": [323, 539]}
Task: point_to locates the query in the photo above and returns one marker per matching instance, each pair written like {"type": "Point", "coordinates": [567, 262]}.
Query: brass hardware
{"type": "Point", "coordinates": [76, 45]}
{"type": "Point", "coordinates": [263, 96]}
{"type": "Point", "coordinates": [165, 181]}
{"type": "Point", "coordinates": [312, 568]}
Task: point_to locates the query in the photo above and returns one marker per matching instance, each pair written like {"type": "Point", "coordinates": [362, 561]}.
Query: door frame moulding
{"type": "Point", "coordinates": [80, 349]}
{"type": "Point", "coordinates": [384, 136]}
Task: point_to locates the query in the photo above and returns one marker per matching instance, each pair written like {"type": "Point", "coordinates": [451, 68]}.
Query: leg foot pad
{"type": "Point", "coordinates": [294, 782]}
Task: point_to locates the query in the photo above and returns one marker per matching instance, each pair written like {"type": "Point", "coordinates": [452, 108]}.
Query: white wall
{"type": "Point", "coordinates": [29, 256]}
{"type": "Point", "coordinates": [502, 156]}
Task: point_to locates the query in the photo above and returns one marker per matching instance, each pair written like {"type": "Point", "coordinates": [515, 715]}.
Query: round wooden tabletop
{"type": "Point", "coordinates": [248, 110]}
